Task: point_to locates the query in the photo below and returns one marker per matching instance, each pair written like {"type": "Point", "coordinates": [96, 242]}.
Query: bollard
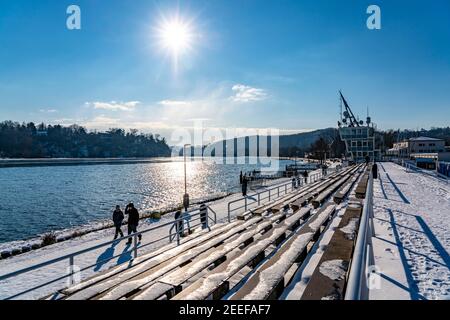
{"type": "Point", "coordinates": [71, 264]}
{"type": "Point", "coordinates": [135, 245]}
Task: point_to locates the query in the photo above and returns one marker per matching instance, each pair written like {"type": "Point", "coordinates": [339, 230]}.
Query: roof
{"type": "Point", "coordinates": [425, 139]}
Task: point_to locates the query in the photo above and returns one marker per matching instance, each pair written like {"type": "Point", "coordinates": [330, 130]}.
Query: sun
{"type": "Point", "coordinates": [175, 36]}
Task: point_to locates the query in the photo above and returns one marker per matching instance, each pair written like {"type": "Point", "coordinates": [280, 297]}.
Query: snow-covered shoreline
{"type": "Point", "coordinates": [81, 230]}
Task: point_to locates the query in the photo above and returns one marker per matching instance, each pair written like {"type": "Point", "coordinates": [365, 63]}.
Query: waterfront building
{"type": "Point", "coordinates": [359, 136]}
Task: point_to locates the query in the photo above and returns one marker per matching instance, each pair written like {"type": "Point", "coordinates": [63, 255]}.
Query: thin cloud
{"type": "Point", "coordinates": [114, 105]}
{"type": "Point", "coordinates": [48, 110]}
{"type": "Point", "coordinates": [243, 93]}
{"type": "Point", "coordinates": [174, 103]}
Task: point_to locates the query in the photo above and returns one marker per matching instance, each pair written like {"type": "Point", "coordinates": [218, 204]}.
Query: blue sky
{"type": "Point", "coordinates": [253, 64]}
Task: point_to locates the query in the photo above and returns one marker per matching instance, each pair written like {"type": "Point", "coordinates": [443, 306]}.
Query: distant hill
{"type": "Point", "coordinates": [306, 139]}
{"type": "Point", "coordinates": [290, 145]}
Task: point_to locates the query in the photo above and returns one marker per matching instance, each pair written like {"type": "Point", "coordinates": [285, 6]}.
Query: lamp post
{"type": "Point", "coordinates": [186, 195]}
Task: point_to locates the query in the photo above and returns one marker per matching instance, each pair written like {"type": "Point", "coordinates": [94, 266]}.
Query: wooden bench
{"type": "Point", "coordinates": [174, 281]}
{"type": "Point", "coordinates": [329, 278]}
{"type": "Point", "coordinates": [268, 280]}
{"type": "Point", "coordinates": [342, 193]}
{"type": "Point", "coordinates": [320, 199]}
{"type": "Point", "coordinates": [188, 243]}
{"type": "Point", "coordinates": [361, 188]}
{"type": "Point", "coordinates": [215, 284]}
{"type": "Point", "coordinates": [183, 253]}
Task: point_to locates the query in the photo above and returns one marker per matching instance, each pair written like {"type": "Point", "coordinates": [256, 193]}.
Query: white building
{"type": "Point", "coordinates": [426, 145]}
{"type": "Point", "coordinates": [414, 147]}
{"type": "Point", "coordinates": [424, 150]}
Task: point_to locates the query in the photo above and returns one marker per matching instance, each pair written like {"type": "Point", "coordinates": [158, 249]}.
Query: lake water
{"type": "Point", "coordinates": [36, 200]}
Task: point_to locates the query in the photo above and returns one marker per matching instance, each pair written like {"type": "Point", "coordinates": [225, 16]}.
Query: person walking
{"type": "Point", "coordinates": [244, 186]}
{"type": "Point", "coordinates": [305, 175]}
{"type": "Point", "coordinates": [118, 221]}
{"type": "Point", "coordinates": [133, 221]}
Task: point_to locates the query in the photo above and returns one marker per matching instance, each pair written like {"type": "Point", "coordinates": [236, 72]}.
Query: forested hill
{"type": "Point", "coordinates": [47, 141]}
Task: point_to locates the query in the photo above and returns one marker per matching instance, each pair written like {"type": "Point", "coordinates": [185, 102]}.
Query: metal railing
{"type": "Point", "coordinates": [411, 167]}
{"type": "Point", "coordinates": [268, 195]}
{"type": "Point", "coordinates": [70, 258]}
{"type": "Point", "coordinates": [363, 258]}
{"type": "Point", "coordinates": [184, 223]}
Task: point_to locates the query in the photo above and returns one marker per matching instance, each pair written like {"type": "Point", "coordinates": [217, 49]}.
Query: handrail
{"type": "Point", "coordinates": [71, 257]}
{"type": "Point", "coordinates": [312, 177]}
{"type": "Point", "coordinates": [410, 166]}
{"type": "Point", "coordinates": [258, 196]}
{"type": "Point", "coordinates": [357, 285]}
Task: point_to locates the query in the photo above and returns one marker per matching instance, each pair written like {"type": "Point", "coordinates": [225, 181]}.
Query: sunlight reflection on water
{"type": "Point", "coordinates": [39, 199]}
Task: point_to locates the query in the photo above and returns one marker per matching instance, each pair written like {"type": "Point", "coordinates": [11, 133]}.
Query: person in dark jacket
{"type": "Point", "coordinates": [133, 221]}
{"type": "Point", "coordinates": [118, 220]}
{"type": "Point", "coordinates": [305, 175]}
{"type": "Point", "coordinates": [375, 171]}
{"type": "Point", "coordinates": [244, 186]}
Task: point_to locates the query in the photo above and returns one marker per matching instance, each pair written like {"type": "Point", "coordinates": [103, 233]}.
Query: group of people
{"type": "Point", "coordinates": [180, 217]}
{"type": "Point", "coordinates": [133, 221]}
{"type": "Point", "coordinates": [297, 182]}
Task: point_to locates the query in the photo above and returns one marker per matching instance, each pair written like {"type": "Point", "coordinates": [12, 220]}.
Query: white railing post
{"type": "Point", "coordinates": [357, 287]}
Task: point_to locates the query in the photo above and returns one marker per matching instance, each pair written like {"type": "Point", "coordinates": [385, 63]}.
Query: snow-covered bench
{"type": "Point", "coordinates": [269, 281]}
{"type": "Point", "coordinates": [103, 282]}
{"type": "Point", "coordinates": [220, 280]}
{"type": "Point", "coordinates": [329, 278]}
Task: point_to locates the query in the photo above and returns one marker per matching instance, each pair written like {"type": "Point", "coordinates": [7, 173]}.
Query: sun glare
{"type": "Point", "coordinates": [175, 36]}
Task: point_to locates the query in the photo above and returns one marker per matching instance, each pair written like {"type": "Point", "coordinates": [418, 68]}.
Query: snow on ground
{"type": "Point", "coordinates": [334, 269]}
{"type": "Point", "coordinates": [412, 234]}
{"type": "Point", "coordinates": [12, 286]}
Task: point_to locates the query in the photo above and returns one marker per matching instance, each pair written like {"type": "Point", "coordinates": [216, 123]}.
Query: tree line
{"type": "Point", "coordinates": [27, 140]}
{"type": "Point", "coordinates": [329, 143]}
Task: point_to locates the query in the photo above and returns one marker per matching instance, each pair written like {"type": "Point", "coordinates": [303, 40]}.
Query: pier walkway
{"type": "Point", "coordinates": [412, 239]}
